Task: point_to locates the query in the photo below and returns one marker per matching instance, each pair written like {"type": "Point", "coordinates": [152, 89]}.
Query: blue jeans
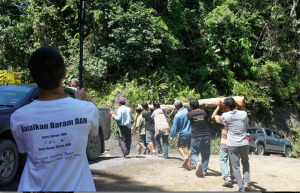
{"type": "Point", "coordinates": [224, 155]}
{"type": "Point", "coordinates": [165, 143]}
{"type": "Point", "coordinates": [149, 136]}
{"type": "Point", "coordinates": [201, 144]}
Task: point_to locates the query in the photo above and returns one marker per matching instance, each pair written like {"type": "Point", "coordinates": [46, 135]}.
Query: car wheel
{"type": "Point", "coordinates": [93, 147]}
{"type": "Point", "coordinates": [288, 152]}
{"type": "Point", "coordinates": [9, 160]}
{"type": "Point", "coordinates": [260, 150]}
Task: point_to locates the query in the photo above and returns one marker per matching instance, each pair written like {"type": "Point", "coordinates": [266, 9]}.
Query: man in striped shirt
{"type": "Point", "coordinates": [228, 177]}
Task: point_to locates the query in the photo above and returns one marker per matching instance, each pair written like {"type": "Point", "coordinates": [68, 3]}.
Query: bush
{"type": "Point", "coordinates": [295, 139]}
{"type": "Point", "coordinates": [215, 145]}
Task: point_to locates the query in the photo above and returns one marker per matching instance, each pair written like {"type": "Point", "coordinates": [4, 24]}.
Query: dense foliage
{"type": "Point", "coordinates": [161, 50]}
{"type": "Point", "coordinates": [167, 47]}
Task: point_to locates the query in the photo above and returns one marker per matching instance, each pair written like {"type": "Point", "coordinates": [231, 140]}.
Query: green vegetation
{"type": "Point", "coordinates": [162, 50]}
{"type": "Point", "coordinates": [166, 49]}
{"type": "Point", "coordinates": [295, 139]}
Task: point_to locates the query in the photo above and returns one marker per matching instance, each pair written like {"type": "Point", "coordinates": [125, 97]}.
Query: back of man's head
{"type": "Point", "coordinates": [138, 109]}
{"type": "Point", "coordinates": [156, 104]}
{"type": "Point", "coordinates": [230, 102]}
{"type": "Point", "coordinates": [144, 105]}
{"type": "Point", "coordinates": [46, 66]}
{"type": "Point", "coordinates": [194, 103]}
{"type": "Point", "coordinates": [178, 103]}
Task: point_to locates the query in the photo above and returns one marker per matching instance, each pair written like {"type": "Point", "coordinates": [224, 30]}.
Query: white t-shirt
{"type": "Point", "coordinates": [237, 131]}
{"type": "Point", "coordinates": [55, 134]}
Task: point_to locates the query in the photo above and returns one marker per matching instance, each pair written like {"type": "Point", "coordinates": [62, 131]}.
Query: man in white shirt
{"type": "Point", "coordinates": [123, 118]}
{"type": "Point", "coordinates": [54, 130]}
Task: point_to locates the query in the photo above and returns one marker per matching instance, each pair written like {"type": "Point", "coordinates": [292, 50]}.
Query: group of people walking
{"type": "Point", "coordinates": [64, 166]}
{"type": "Point", "coordinates": [194, 134]}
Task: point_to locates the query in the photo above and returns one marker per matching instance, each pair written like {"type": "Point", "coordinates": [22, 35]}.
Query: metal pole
{"type": "Point", "coordinates": [81, 32]}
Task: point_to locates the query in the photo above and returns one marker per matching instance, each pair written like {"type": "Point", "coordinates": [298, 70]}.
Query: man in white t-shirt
{"type": "Point", "coordinates": [54, 130]}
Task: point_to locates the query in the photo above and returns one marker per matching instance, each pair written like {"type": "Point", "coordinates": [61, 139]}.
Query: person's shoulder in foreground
{"type": "Point", "coordinates": [54, 131]}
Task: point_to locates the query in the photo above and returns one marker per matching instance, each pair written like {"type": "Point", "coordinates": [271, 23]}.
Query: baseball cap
{"type": "Point", "coordinates": [122, 99]}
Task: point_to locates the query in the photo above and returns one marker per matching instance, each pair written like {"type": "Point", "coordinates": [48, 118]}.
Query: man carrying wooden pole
{"type": "Point", "coordinates": [149, 127]}
{"type": "Point", "coordinates": [237, 142]}
{"type": "Point", "coordinates": [183, 126]}
{"type": "Point", "coordinates": [200, 134]}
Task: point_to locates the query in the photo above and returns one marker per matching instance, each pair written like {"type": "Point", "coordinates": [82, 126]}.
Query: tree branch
{"type": "Point", "coordinates": [259, 39]}
{"type": "Point", "coordinates": [293, 9]}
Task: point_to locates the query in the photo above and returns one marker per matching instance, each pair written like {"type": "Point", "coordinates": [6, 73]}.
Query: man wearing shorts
{"type": "Point", "coordinates": [149, 127]}
{"type": "Point", "coordinates": [183, 126]}
{"type": "Point", "coordinates": [141, 127]}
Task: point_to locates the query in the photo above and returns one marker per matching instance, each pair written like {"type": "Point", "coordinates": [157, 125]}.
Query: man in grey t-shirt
{"type": "Point", "coordinates": [237, 142]}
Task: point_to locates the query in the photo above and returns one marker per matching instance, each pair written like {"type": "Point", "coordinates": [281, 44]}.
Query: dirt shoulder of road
{"type": "Point", "coordinates": [155, 174]}
{"type": "Point", "coordinates": [146, 173]}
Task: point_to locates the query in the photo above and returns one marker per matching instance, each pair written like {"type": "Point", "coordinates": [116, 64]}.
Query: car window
{"type": "Point", "coordinates": [252, 131]}
{"type": "Point", "coordinates": [269, 133]}
{"type": "Point", "coordinates": [276, 135]}
{"type": "Point", "coordinates": [69, 94]}
{"type": "Point", "coordinates": [12, 95]}
{"type": "Point", "coordinates": [260, 132]}
{"type": "Point", "coordinates": [72, 95]}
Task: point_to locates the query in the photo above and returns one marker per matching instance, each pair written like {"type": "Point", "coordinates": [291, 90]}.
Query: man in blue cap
{"type": "Point", "coordinates": [123, 118]}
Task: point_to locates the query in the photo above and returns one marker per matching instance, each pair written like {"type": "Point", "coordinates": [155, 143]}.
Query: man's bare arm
{"type": "Point", "coordinates": [135, 129]}
{"type": "Point", "coordinates": [213, 116]}
{"type": "Point", "coordinates": [244, 107]}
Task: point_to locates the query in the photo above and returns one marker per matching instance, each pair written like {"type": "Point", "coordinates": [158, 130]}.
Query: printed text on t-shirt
{"type": "Point", "coordinates": [198, 118]}
{"type": "Point", "coordinates": [53, 125]}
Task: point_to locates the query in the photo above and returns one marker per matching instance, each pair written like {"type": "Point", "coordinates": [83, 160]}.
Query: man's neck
{"type": "Point", "coordinates": [49, 95]}
{"type": "Point", "coordinates": [234, 109]}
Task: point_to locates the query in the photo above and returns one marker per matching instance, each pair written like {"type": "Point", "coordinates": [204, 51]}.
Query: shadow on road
{"type": "Point", "coordinates": [252, 183]}
{"type": "Point", "coordinates": [176, 158]}
{"type": "Point", "coordinates": [213, 173]}
{"type": "Point", "coordinates": [103, 159]}
{"type": "Point", "coordinates": [117, 183]}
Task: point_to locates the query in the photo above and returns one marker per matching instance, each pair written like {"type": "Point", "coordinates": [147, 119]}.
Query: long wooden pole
{"type": "Point", "coordinates": [212, 102]}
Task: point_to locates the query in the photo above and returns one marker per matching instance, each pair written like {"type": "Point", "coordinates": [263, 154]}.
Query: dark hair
{"type": "Point", "coordinates": [122, 103]}
{"type": "Point", "coordinates": [46, 66]}
{"type": "Point", "coordinates": [156, 104]}
{"type": "Point", "coordinates": [140, 110]}
{"type": "Point", "coordinates": [194, 103]}
{"type": "Point", "coordinates": [230, 102]}
{"type": "Point", "coordinates": [144, 105]}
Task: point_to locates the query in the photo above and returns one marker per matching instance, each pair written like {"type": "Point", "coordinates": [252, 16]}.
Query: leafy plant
{"type": "Point", "coordinates": [295, 139]}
